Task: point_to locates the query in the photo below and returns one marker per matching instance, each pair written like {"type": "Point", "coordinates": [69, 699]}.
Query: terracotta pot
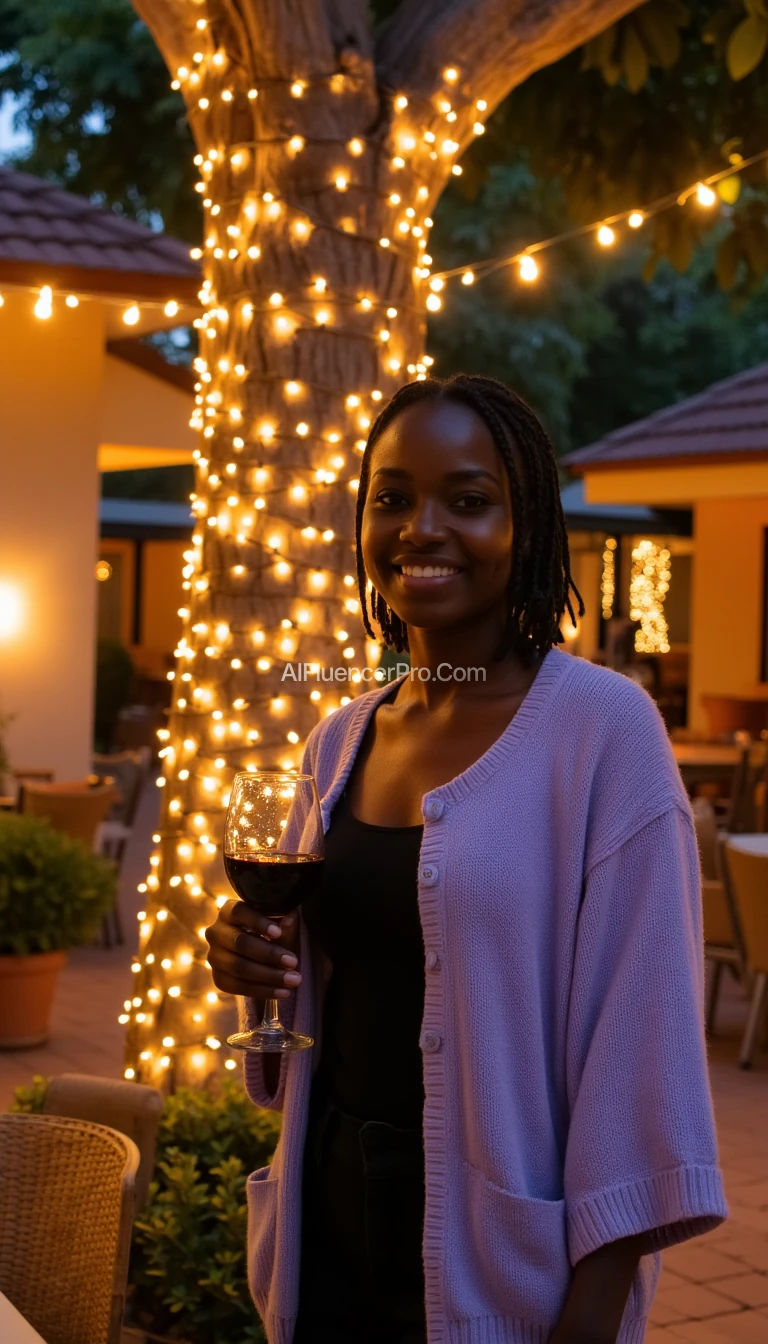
{"type": "Point", "coordinates": [27, 986]}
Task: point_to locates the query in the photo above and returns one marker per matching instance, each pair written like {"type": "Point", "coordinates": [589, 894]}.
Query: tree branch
{"type": "Point", "coordinates": [495, 44]}
{"type": "Point", "coordinates": [172, 27]}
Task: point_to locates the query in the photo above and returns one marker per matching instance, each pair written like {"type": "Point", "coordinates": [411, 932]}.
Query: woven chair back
{"type": "Point", "coordinates": [66, 1208]}
{"type": "Point", "coordinates": [76, 810]}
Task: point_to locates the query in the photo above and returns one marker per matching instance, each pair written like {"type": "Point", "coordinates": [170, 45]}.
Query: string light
{"type": "Point", "coordinates": [608, 580]}
{"type": "Point", "coordinates": [649, 585]}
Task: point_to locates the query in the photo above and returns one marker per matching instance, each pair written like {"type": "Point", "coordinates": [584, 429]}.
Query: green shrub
{"type": "Point", "coordinates": [188, 1262]}
{"type": "Point", "coordinates": [53, 891]}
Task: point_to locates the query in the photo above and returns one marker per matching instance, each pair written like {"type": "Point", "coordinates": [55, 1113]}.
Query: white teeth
{"type": "Point", "coordinates": [428, 571]}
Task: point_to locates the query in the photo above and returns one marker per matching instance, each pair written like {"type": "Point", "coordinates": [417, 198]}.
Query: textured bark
{"type": "Point", "coordinates": [262, 190]}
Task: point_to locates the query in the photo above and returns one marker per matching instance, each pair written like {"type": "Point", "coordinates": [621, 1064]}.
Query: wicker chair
{"type": "Point", "coordinates": [723, 939]}
{"type": "Point", "coordinates": [748, 868]}
{"type": "Point", "coordinates": [66, 1209]}
{"type": "Point", "coordinates": [131, 1108]}
{"type": "Point", "coordinates": [74, 808]}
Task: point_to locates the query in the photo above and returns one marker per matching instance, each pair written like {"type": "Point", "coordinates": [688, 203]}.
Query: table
{"type": "Point", "coordinates": [13, 1328]}
{"type": "Point", "coordinates": [707, 762]}
{"type": "Point", "coordinates": [749, 843]}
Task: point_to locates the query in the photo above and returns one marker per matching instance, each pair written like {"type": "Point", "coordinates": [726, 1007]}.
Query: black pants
{"type": "Point", "coordinates": [362, 1279]}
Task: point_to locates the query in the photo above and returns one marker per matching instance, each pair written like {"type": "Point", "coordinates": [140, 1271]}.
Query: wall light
{"type": "Point", "coordinates": [11, 610]}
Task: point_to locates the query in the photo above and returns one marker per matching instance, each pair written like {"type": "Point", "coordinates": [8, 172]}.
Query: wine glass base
{"type": "Point", "coordinates": [270, 1041]}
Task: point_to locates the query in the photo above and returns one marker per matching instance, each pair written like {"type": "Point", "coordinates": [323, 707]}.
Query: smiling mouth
{"type": "Point", "coordinates": [427, 571]}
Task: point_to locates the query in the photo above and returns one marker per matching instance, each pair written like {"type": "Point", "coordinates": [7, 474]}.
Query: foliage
{"type": "Point", "coordinates": [114, 679]}
{"type": "Point", "coordinates": [53, 890]}
{"type": "Point", "coordinates": [591, 345]}
{"type": "Point", "coordinates": [94, 93]}
{"type": "Point", "coordinates": [188, 1267]}
{"type": "Point", "coordinates": [29, 1100]}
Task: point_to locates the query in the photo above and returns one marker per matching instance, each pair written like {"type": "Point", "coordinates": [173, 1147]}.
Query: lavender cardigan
{"type": "Point", "coordinates": [567, 1100]}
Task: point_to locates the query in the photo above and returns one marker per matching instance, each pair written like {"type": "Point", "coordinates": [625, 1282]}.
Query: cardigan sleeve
{"type": "Point", "coordinates": [641, 1152]}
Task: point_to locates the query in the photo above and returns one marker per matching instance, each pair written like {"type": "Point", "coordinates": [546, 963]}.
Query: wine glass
{"type": "Point", "coordinates": [274, 859]}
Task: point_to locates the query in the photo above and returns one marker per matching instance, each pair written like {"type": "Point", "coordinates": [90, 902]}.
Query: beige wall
{"type": "Point", "coordinates": [727, 597]}
{"type": "Point", "coordinates": [730, 510]}
{"type": "Point", "coordinates": [50, 380]}
{"type": "Point", "coordinates": [143, 421]}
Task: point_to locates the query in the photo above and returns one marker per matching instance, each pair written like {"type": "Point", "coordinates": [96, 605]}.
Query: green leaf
{"type": "Point", "coordinates": [746, 46]}
{"type": "Point", "coordinates": [634, 58]}
{"type": "Point", "coordinates": [729, 189]}
{"type": "Point", "coordinates": [660, 36]}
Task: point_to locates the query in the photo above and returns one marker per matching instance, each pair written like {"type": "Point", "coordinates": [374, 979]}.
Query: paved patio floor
{"type": "Point", "coordinates": [712, 1290]}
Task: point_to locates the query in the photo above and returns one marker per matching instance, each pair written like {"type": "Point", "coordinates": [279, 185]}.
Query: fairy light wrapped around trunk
{"type": "Point", "coordinates": [320, 161]}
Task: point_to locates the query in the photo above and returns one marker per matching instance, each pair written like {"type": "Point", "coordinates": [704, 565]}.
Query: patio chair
{"type": "Point", "coordinates": [133, 1109]}
{"type": "Point", "coordinates": [66, 1210]}
{"type": "Point", "coordinates": [745, 812]}
{"type": "Point", "coordinates": [129, 770]}
{"type": "Point", "coordinates": [723, 941]}
{"type": "Point", "coordinates": [75, 808]}
{"type": "Point", "coordinates": [748, 870]}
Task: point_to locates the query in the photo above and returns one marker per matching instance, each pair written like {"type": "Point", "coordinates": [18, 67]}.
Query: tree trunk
{"type": "Point", "coordinates": [317, 185]}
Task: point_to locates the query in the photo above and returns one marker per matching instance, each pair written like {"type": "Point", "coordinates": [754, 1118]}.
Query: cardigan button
{"type": "Point", "coordinates": [429, 875]}
{"type": "Point", "coordinates": [434, 808]}
{"type": "Point", "coordinates": [430, 1042]}
{"type": "Point", "coordinates": [432, 961]}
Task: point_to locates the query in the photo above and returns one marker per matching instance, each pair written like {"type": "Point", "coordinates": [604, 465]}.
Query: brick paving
{"type": "Point", "coordinates": [713, 1290]}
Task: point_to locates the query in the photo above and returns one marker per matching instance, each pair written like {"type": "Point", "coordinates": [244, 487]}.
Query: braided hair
{"type": "Point", "coordinates": [540, 583]}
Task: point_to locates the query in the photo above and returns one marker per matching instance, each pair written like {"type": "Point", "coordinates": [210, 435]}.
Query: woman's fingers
{"type": "Point", "coordinates": [262, 980]}
{"type": "Point", "coordinates": [251, 946]}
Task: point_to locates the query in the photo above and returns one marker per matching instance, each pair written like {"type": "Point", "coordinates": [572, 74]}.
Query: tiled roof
{"type": "Point", "coordinates": [43, 224]}
{"type": "Point", "coordinates": [727, 420]}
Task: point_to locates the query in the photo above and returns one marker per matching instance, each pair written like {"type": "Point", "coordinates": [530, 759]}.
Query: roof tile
{"type": "Point", "coordinates": [40, 222]}
{"type": "Point", "coordinates": [727, 418]}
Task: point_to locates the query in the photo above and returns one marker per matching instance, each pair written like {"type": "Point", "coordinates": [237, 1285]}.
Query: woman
{"type": "Point", "coordinates": [506, 1114]}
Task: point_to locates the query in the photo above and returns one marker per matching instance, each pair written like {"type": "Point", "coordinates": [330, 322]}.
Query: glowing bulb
{"type": "Point", "coordinates": [705, 195]}
{"type": "Point", "coordinates": [341, 182]}
{"type": "Point", "coordinates": [355, 146]}
{"type": "Point", "coordinates": [72, 301]}
{"type": "Point", "coordinates": [296, 144]}
{"type": "Point", "coordinates": [528, 269]}
{"type": "Point", "coordinates": [606, 236]}
{"type": "Point", "coordinates": [434, 303]}
{"type": "Point", "coordinates": [44, 305]}
{"type": "Point", "coordinates": [468, 278]}
{"type": "Point", "coordinates": [131, 315]}
{"type": "Point", "coordinates": [401, 102]}
{"type": "Point", "coordinates": [451, 74]}
{"type": "Point", "coordinates": [636, 219]}
{"type": "Point", "coordinates": [297, 88]}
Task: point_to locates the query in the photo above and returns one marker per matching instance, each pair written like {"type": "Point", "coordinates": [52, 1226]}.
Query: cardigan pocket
{"type": "Point", "coordinates": [261, 1194]}
{"type": "Point", "coordinates": [521, 1251]}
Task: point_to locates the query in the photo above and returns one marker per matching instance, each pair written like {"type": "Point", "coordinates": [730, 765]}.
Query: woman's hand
{"type": "Point", "coordinates": [252, 956]}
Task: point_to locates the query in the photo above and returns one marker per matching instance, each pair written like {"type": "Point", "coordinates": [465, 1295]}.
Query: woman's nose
{"type": "Point", "coordinates": [426, 523]}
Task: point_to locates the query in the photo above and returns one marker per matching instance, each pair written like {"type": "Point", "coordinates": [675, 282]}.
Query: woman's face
{"type": "Point", "coordinates": [437, 521]}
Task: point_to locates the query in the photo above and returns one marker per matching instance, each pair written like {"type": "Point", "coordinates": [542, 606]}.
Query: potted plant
{"type": "Point", "coordinates": [53, 895]}
{"type": "Point", "coordinates": [187, 1281]}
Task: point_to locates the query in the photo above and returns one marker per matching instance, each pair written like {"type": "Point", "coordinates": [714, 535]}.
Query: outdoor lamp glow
{"type": "Point", "coordinates": [11, 610]}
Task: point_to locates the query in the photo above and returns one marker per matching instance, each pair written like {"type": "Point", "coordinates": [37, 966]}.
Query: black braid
{"type": "Point", "coordinates": [540, 584]}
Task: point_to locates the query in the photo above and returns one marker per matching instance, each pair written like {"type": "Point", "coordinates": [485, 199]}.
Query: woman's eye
{"type": "Point", "coordinates": [471, 502]}
{"type": "Point", "coordinates": [389, 498]}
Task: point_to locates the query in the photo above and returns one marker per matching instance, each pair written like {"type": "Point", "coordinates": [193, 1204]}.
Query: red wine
{"type": "Point", "coordinates": [274, 884]}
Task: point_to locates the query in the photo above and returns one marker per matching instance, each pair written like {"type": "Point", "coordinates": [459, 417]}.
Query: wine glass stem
{"type": "Point", "coordinates": [271, 1018]}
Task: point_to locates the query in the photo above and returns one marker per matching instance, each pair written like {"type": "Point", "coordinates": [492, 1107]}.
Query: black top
{"type": "Point", "coordinates": [365, 918]}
